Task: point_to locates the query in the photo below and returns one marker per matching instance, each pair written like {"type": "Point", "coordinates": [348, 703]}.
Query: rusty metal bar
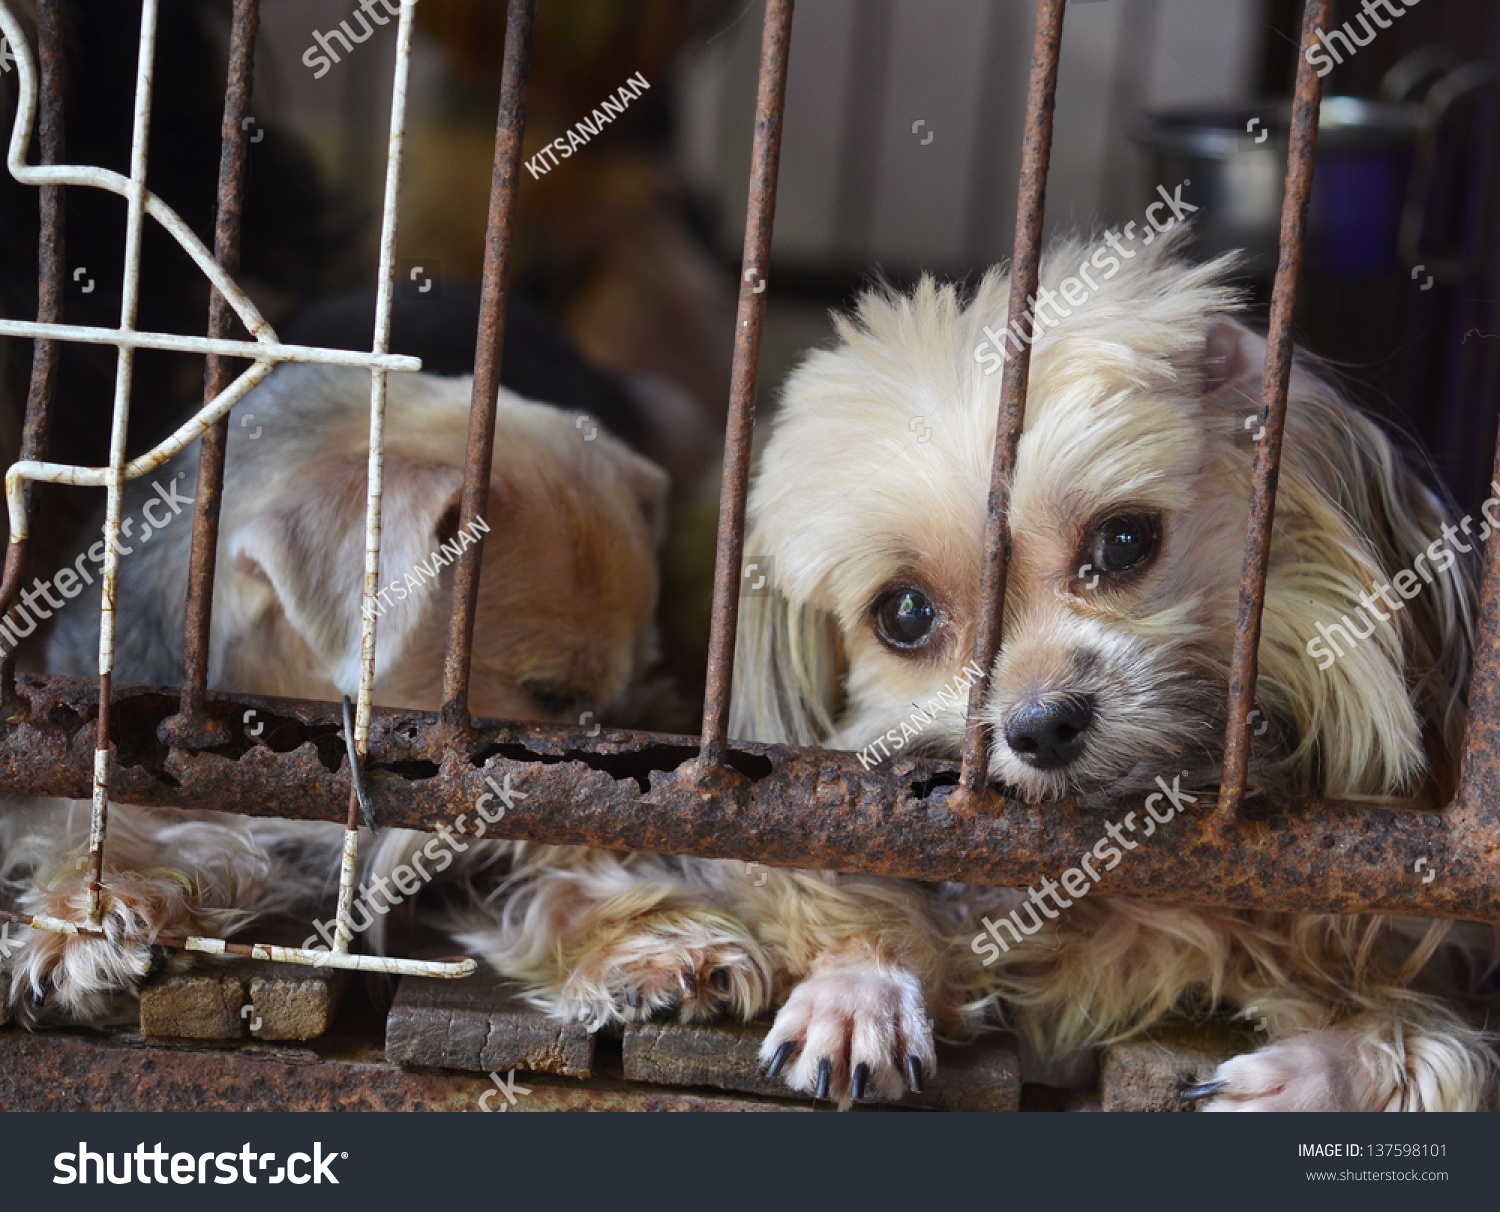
{"type": "Point", "coordinates": [1478, 804]}
{"type": "Point", "coordinates": [191, 726]}
{"type": "Point", "coordinates": [770, 104]}
{"type": "Point", "coordinates": [505, 185]}
{"type": "Point", "coordinates": [1278, 376]}
{"type": "Point", "coordinates": [1025, 264]}
{"type": "Point", "coordinates": [51, 268]}
{"type": "Point", "coordinates": [788, 807]}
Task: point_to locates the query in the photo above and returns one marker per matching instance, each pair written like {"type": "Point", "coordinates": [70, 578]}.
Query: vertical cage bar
{"type": "Point", "coordinates": [1273, 394]}
{"type": "Point", "coordinates": [135, 224]}
{"type": "Point", "coordinates": [51, 268]}
{"type": "Point", "coordinates": [1479, 777]}
{"type": "Point", "coordinates": [770, 104]}
{"type": "Point", "coordinates": [395, 154]}
{"type": "Point", "coordinates": [505, 184]}
{"type": "Point", "coordinates": [192, 727]}
{"type": "Point", "coordinates": [1025, 265]}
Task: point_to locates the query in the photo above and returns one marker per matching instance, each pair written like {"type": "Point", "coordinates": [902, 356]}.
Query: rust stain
{"type": "Point", "coordinates": [774, 804]}
{"type": "Point", "coordinates": [1278, 376]}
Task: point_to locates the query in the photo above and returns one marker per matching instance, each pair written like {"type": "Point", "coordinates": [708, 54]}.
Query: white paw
{"type": "Point", "coordinates": [852, 1032]}
{"type": "Point", "coordinates": [692, 963]}
{"type": "Point", "coordinates": [81, 979]}
{"type": "Point", "coordinates": [1312, 1072]}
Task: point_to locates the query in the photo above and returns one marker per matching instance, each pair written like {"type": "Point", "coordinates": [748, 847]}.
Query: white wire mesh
{"type": "Point", "coordinates": [266, 351]}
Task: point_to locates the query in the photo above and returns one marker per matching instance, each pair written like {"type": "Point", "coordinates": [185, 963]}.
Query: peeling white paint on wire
{"type": "Point", "coordinates": [265, 351]}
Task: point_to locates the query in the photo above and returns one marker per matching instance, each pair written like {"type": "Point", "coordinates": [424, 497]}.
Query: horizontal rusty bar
{"type": "Point", "coordinates": [777, 805]}
{"type": "Point", "coordinates": [123, 1071]}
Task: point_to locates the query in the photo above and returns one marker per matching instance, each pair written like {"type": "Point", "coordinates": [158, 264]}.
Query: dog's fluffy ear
{"type": "Point", "coordinates": [311, 548]}
{"type": "Point", "coordinates": [1350, 515]}
{"type": "Point", "coordinates": [788, 666]}
{"type": "Point", "coordinates": [652, 488]}
{"type": "Point", "coordinates": [1234, 360]}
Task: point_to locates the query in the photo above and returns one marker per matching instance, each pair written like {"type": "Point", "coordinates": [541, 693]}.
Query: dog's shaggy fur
{"type": "Point", "coordinates": [1136, 409]}
{"type": "Point", "coordinates": [564, 622]}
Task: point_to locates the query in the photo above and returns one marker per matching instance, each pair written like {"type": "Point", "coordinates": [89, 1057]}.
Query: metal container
{"type": "Point", "coordinates": [1235, 159]}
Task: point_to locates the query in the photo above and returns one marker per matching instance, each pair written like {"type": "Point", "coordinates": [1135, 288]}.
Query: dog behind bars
{"type": "Point", "coordinates": [563, 624]}
{"type": "Point", "coordinates": [1128, 511]}
{"type": "Point", "coordinates": [1127, 515]}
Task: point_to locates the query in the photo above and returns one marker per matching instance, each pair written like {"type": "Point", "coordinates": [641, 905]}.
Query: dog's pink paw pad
{"type": "Point", "coordinates": [853, 1032]}
{"type": "Point", "coordinates": [1312, 1072]}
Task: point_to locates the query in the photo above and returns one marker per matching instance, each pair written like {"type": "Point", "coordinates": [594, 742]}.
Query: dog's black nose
{"type": "Point", "coordinates": [1049, 734]}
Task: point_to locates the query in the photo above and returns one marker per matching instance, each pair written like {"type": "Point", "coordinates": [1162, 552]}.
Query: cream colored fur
{"type": "Point", "coordinates": [564, 624]}
{"type": "Point", "coordinates": [876, 476]}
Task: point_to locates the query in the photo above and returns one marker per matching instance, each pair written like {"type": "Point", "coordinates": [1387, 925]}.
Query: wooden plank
{"type": "Point", "coordinates": [982, 1076]}
{"type": "Point", "coordinates": [227, 1000]}
{"type": "Point", "coordinates": [480, 1023]}
{"type": "Point", "coordinates": [1149, 1073]}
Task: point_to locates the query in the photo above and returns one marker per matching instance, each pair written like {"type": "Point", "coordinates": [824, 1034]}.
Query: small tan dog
{"type": "Point", "coordinates": [564, 623]}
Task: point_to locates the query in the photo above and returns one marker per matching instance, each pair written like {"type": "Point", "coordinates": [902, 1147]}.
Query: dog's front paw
{"type": "Point", "coordinates": [75, 978]}
{"type": "Point", "coordinates": [1312, 1072]}
{"type": "Point", "coordinates": [853, 1032]}
{"type": "Point", "coordinates": [694, 963]}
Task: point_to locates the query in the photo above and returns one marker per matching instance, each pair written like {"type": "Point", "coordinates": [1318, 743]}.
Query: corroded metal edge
{"type": "Point", "coordinates": [778, 805]}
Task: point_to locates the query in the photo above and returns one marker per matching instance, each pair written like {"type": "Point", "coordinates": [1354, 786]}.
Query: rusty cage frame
{"type": "Point", "coordinates": [707, 796]}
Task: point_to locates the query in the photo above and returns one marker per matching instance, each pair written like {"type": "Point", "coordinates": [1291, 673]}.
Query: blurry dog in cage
{"type": "Point", "coordinates": [564, 623]}
{"type": "Point", "coordinates": [1128, 509]}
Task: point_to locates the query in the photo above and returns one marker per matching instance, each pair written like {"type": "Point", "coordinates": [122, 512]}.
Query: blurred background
{"type": "Point", "coordinates": [900, 157]}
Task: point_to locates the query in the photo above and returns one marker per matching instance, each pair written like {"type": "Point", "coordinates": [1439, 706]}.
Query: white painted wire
{"type": "Point", "coordinates": [266, 351]}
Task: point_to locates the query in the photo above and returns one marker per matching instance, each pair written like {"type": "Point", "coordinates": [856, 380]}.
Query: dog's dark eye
{"type": "Point", "coordinates": [553, 698]}
{"type": "Point", "coordinates": [905, 618]}
{"type": "Point", "coordinates": [1124, 542]}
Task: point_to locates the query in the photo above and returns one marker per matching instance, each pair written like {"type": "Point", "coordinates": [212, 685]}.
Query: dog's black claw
{"type": "Point", "coordinates": [671, 1006]}
{"type": "Point", "coordinates": [780, 1059]}
{"type": "Point", "coordinates": [914, 1074]}
{"type": "Point", "coordinates": [1202, 1090]}
{"type": "Point", "coordinates": [633, 999]}
{"type": "Point", "coordinates": [37, 994]}
{"type": "Point", "coordinates": [158, 962]}
{"type": "Point", "coordinates": [825, 1077]}
{"type": "Point", "coordinates": [857, 1082]}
